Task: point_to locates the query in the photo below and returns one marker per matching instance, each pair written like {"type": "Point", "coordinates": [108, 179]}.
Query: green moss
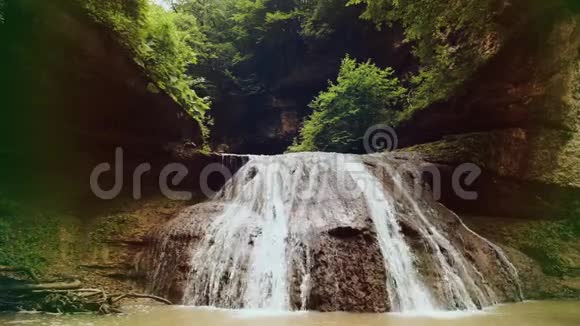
{"type": "Point", "coordinates": [29, 239]}
{"type": "Point", "coordinates": [543, 243]}
{"type": "Point", "coordinates": [547, 242]}
{"type": "Point", "coordinates": [457, 149]}
{"type": "Point", "coordinates": [542, 155]}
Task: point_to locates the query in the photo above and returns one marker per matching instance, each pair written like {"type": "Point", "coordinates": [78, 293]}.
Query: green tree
{"type": "Point", "coordinates": [163, 42]}
{"type": "Point", "coordinates": [321, 18]}
{"type": "Point", "coordinates": [362, 96]}
{"type": "Point", "coordinates": [167, 51]}
{"type": "Point", "coordinates": [214, 19]}
{"type": "Point", "coordinates": [451, 39]}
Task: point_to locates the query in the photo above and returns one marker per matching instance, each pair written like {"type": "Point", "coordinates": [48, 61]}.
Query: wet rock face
{"type": "Point", "coordinates": [348, 274]}
{"type": "Point", "coordinates": [277, 249]}
{"type": "Point", "coordinates": [485, 268]}
{"type": "Point", "coordinates": [167, 261]}
{"type": "Point", "coordinates": [490, 272]}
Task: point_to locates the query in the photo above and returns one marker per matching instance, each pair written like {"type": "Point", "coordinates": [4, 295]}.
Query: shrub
{"type": "Point", "coordinates": [363, 95]}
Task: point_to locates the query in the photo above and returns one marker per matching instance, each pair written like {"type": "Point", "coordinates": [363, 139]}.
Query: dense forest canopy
{"type": "Point", "coordinates": [199, 50]}
{"type": "Point", "coordinates": [210, 55]}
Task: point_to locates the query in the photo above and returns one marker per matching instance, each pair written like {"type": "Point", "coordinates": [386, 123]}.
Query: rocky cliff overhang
{"type": "Point", "coordinates": [72, 93]}
{"type": "Point", "coordinates": [518, 118]}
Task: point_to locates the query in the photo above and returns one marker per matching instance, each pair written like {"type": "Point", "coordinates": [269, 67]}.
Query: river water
{"type": "Point", "coordinates": [561, 313]}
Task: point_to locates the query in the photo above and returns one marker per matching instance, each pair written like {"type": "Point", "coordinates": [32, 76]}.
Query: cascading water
{"type": "Point", "coordinates": [408, 293]}
{"type": "Point", "coordinates": [256, 214]}
{"type": "Point", "coordinates": [265, 240]}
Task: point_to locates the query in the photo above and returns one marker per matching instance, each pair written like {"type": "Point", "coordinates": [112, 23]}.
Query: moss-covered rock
{"type": "Point", "coordinates": [542, 155]}
{"type": "Point", "coordinates": [545, 252]}
{"type": "Point", "coordinates": [31, 239]}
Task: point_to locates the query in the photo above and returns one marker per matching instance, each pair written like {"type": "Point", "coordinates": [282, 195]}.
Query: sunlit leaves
{"type": "Point", "coordinates": [163, 42]}
{"type": "Point", "coordinates": [362, 96]}
{"type": "Point", "coordinates": [450, 38]}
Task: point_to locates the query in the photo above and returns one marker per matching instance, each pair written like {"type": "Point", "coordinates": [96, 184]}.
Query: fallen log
{"type": "Point", "coordinates": [67, 291]}
{"type": "Point", "coordinates": [16, 287]}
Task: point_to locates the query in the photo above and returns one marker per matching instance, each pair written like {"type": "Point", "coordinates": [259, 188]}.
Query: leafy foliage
{"type": "Point", "coordinates": [216, 52]}
{"type": "Point", "coordinates": [451, 38]}
{"type": "Point", "coordinates": [251, 44]}
{"type": "Point", "coordinates": [250, 48]}
{"type": "Point", "coordinates": [363, 96]}
{"type": "Point", "coordinates": [267, 36]}
{"type": "Point", "coordinates": [163, 43]}
{"type": "Point", "coordinates": [320, 18]}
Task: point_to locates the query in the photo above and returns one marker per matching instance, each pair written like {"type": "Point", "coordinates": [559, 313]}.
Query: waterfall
{"type": "Point", "coordinates": [257, 274]}
{"type": "Point", "coordinates": [408, 293]}
{"type": "Point", "coordinates": [279, 216]}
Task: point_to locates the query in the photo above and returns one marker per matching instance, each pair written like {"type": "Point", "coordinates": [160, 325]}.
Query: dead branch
{"type": "Point", "coordinates": [66, 296]}
{"type": "Point", "coordinates": [140, 296]}
{"type": "Point", "coordinates": [71, 290]}
{"type": "Point", "coordinates": [41, 286]}
{"type": "Point", "coordinates": [86, 293]}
